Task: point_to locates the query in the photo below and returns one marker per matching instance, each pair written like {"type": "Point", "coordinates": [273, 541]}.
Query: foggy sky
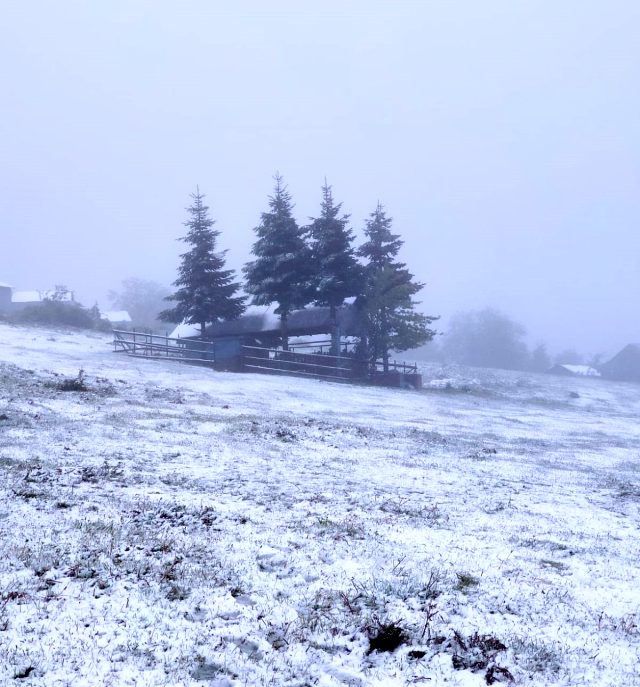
{"type": "Point", "coordinates": [503, 138]}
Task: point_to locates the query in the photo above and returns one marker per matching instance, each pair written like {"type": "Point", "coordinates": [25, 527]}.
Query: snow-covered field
{"type": "Point", "coordinates": [173, 525]}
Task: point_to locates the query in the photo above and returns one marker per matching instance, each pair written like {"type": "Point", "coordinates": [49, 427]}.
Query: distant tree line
{"type": "Point", "coordinates": [294, 266]}
{"type": "Point", "coordinates": [143, 299]}
{"type": "Point", "coordinates": [489, 338]}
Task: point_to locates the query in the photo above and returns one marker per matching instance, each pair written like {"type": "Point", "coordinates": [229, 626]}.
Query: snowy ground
{"type": "Point", "coordinates": [178, 526]}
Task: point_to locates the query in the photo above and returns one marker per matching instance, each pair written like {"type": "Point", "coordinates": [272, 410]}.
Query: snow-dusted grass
{"type": "Point", "coordinates": [172, 525]}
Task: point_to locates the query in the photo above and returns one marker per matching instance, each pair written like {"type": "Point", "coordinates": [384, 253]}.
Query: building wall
{"type": "Point", "coordinates": [5, 299]}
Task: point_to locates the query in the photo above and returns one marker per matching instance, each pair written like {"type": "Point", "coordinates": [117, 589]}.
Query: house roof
{"type": "Point", "coordinates": [574, 370]}
{"type": "Point", "coordinates": [4, 286]}
{"type": "Point", "coordinates": [625, 365]}
{"type": "Point", "coordinates": [116, 316]}
{"type": "Point", "coordinates": [582, 370]}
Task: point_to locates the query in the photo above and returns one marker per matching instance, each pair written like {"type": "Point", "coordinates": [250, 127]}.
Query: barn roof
{"type": "Point", "coordinates": [259, 320]}
{"type": "Point", "coordinates": [625, 365]}
{"type": "Point", "coordinates": [261, 317]}
{"type": "Point", "coordinates": [576, 370]}
{"type": "Point", "coordinates": [303, 322]}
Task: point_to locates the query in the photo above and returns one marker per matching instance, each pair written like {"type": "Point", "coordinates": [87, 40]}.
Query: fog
{"type": "Point", "coordinates": [502, 137]}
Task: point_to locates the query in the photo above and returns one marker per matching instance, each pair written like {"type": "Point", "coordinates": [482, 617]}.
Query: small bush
{"type": "Point", "coordinates": [76, 383]}
{"type": "Point", "coordinates": [466, 580]}
{"type": "Point", "coordinates": [479, 653]}
{"type": "Point", "coordinates": [23, 673]}
{"type": "Point", "coordinates": [386, 636]}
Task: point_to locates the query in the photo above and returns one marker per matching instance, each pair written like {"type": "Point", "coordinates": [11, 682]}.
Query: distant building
{"type": "Point", "coordinates": [574, 371]}
{"type": "Point", "coordinates": [22, 299]}
{"type": "Point", "coordinates": [116, 316]}
{"type": "Point", "coordinates": [625, 366]}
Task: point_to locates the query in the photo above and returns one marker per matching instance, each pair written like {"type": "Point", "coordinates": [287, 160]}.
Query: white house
{"type": "Point", "coordinates": [21, 299]}
{"type": "Point", "coordinates": [116, 316]}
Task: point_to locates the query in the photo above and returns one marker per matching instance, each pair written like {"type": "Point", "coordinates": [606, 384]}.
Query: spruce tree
{"type": "Point", "coordinates": [336, 272]}
{"type": "Point", "coordinates": [388, 307]}
{"type": "Point", "coordinates": [280, 272]}
{"type": "Point", "coordinates": [206, 291]}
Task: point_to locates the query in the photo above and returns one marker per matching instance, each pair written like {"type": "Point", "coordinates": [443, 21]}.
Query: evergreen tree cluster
{"type": "Point", "coordinates": [295, 266]}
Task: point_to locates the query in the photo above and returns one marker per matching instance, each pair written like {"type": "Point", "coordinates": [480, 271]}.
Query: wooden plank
{"type": "Point", "coordinates": [155, 346]}
{"type": "Point", "coordinates": [280, 352]}
{"type": "Point", "coordinates": [299, 373]}
{"type": "Point", "coordinates": [204, 361]}
{"type": "Point", "coordinates": [281, 363]}
{"type": "Point", "coordinates": [299, 365]}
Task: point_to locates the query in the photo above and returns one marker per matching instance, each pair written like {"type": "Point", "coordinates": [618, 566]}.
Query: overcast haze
{"type": "Point", "coordinates": [502, 137]}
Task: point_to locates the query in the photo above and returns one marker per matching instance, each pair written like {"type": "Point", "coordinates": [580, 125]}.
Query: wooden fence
{"type": "Point", "coordinates": [141, 345]}
{"type": "Point", "coordinates": [318, 365]}
{"type": "Point", "coordinates": [227, 355]}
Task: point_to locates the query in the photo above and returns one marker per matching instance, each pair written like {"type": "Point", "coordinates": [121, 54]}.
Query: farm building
{"type": "Point", "coordinates": [574, 371]}
{"type": "Point", "coordinates": [260, 326]}
{"type": "Point", "coordinates": [23, 299]}
{"type": "Point", "coordinates": [625, 366]}
{"type": "Point", "coordinates": [252, 343]}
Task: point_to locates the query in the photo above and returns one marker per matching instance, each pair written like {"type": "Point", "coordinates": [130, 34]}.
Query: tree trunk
{"type": "Point", "coordinates": [335, 331]}
{"type": "Point", "coordinates": [384, 343]}
{"type": "Point", "coordinates": [362, 356]}
{"type": "Point", "coordinates": [284, 337]}
{"type": "Point", "coordinates": [202, 328]}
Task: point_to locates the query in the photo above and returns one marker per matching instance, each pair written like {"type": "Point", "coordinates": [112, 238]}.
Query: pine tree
{"type": "Point", "coordinates": [336, 272]}
{"type": "Point", "coordinates": [280, 273]}
{"type": "Point", "coordinates": [388, 307]}
{"type": "Point", "coordinates": [206, 291]}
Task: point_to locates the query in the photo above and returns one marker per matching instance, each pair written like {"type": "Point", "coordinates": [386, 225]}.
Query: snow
{"type": "Point", "coordinates": [185, 330]}
{"type": "Point", "coordinates": [270, 321]}
{"type": "Point", "coordinates": [175, 525]}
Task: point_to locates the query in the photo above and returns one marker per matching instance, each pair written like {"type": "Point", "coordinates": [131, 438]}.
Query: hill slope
{"type": "Point", "coordinates": [173, 525]}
